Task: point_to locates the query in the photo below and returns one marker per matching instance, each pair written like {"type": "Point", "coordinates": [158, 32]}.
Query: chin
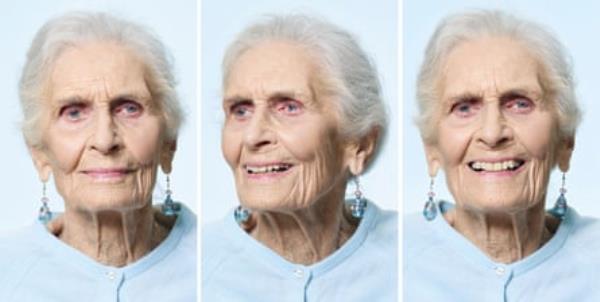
{"type": "Point", "coordinates": [111, 201]}
{"type": "Point", "coordinates": [271, 201]}
{"type": "Point", "coordinates": [499, 205]}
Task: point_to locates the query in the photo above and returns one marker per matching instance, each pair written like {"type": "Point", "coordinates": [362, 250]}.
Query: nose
{"type": "Point", "coordinates": [259, 133]}
{"type": "Point", "coordinates": [494, 131]}
{"type": "Point", "coordinates": [105, 138]}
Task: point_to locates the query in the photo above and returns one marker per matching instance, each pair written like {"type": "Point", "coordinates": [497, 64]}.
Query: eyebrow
{"type": "Point", "coordinates": [516, 93]}
{"type": "Point", "coordinates": [76, 99]}
{"type": "Point", "coordinates": [466, 96]}
{"type": "Point", "coordinates": [505, 95]}
{"type": "Point", "coordinates": [272, 96]}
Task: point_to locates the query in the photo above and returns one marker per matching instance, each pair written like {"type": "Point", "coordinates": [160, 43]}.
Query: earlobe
{"type": "Point", "coordinates": [41, 163]}
{"type": "Point", "coordinates": [357, 162]}
{"type": "Point", "coordinates": [433, 160]}
{"type": "Point", "coordinates": [167, 155]}
{"type": "Point", "coordinates": [565, 151]}
{"type": "Point", "coordinates": [360, 153]}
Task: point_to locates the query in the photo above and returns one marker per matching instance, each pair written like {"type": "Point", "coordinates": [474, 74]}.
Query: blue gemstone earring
{"type": "Point", "coordinates": [560, 207]}
{"type": "Point", "coordinates": [169, 207]}
{"type": "Point", "coordinates": [357, 205]}
{"type": "Point", "coordinates": [241, 215]}
{"type": "Point", "coordinates": [44, 214]}
{"type": "Point", "coordinates": [430, 209]}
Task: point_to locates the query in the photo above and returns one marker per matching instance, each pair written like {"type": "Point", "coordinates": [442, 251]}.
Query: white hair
{"type": "Point", "coordinates": [350, 75]}
{"type": "Point", "coordinates": [556, 76]}
{"type": "Point", "coordinates": [81, 27]}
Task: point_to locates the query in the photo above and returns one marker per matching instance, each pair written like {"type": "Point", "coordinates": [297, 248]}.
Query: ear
{"type": "Point", "coordinates": [359, 153]}
{"type": "Point", "coordinates": [41, 163]}
{"type": "Point", "coordinates": [166, 155]}
{"type": "Point", "coordinates": [432, 155]}
{"type": "Point", "coordinates": [565, 150]}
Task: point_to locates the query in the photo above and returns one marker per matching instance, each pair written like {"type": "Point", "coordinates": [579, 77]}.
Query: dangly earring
{"type": "Point", "coordinates": [44, 214]}
{"type": "Point", "coordinates": [560, 207]}
{"type": "Point", "coordinates": [358, 204]}
{"type": "Point", "coordinates": [169, 207]}
{"type": "Point", "coordinates": [430, 209]}
{"type": "Point", "coordinates": [241, 214]}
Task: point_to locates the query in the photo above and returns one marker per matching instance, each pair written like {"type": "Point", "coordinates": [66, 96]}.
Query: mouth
{"type": "Point", "coordinates": [496, 166]}
{"type": "Point", "coordinates": [107, 173]}
{"type": "Point", "coordinates": [258, 169]}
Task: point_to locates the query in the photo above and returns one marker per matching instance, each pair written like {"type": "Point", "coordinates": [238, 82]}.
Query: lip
{"type": "Point", "coordinates": [107, 174]}
{"type": "Point", "coordinates": [502, 173]}
{"type": "Point", "coordinates": [266, 176]}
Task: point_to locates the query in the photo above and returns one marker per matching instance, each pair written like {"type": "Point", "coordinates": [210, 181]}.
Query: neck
{"type": "Point", "coordinates": [114, 238]}
{"type": "Point", "coordinates": [308, 235]}
{"type": "Point", "coordinates": [504, 237]}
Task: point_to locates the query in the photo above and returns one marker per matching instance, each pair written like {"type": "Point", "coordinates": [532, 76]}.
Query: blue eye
{"type": "Point", "coordinates": [240, 110]}
{"type": "Point", "coordinates": [465, 108]}
{"type": "Point", "coordinates": [289, 107]}
{"type": "Point", "coordinates": [129, 109]}
{"type": "Point", "coordinates": [74, 112]}
{"type": "Point", "coordinates": [520, 105]}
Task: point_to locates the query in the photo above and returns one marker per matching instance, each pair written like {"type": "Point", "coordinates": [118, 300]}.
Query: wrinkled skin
{"type": "Point", "coordinates": [276, 117]}
{"type": "Point", "coordinates": [493, 110]}
{"type": "Point", "coordinates": [102, 140]}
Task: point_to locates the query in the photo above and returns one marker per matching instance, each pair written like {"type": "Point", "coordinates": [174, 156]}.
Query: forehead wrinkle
{"type": "Point", "coordinates": [261, 91]}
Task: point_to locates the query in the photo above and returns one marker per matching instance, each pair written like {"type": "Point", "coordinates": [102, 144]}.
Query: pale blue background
{"type": "Point", "coordinates": [173, 21]}
{"type": "Point", "coordinates": [577, 27]}
{"type": "Point", "coordinates": [374, 23]}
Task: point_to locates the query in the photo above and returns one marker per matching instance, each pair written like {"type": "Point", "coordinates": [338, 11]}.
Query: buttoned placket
{"type": "Point", "coordinates": [504, 275]}
{"type": "Point", "coordinates": [113, 279]}
{"type": "Point", "coordinates": [302, 276]}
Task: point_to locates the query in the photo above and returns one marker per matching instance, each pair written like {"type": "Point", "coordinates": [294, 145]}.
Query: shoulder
{"type": "Point", "coordinates": [218, 245]}
{"type": "Point", "coordinates": [19, 252]}
{"type": "Point", "coordinates": [419, 236]}
{"type": "Point", "coordinates": [584, 236]}
{"type": "Point", "coordinates": [384, 226]}
{"type": "Point", "coordinates": [18, 242]}
{"type": "Point", "coordinates": [188, 224]}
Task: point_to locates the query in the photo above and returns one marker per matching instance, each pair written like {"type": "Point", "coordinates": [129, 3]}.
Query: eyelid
{"type": "Point", "coordinates": [460, 101]}
{"type": "Point", "coordinates": [236, 103]}
{"type": "Point", "coordinates": [289, 101]}
{"type": "Point", "coordinates": [121, 108]}
{"type": "Point", "coordinates": [70, 105]}
{"type": "Point", "coordinates": [120, 102]}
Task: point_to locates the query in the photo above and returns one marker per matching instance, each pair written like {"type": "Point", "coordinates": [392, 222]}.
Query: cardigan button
{"type": "Point", "coordinates": [499, 270]}
{"type": "Point", "coordinates": [299, 273]}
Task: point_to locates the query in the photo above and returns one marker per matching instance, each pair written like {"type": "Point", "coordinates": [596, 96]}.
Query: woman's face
{"type": "Point", "coordinates": [102, 137]}
{"type": "Point", "coordinates": [497, 134]}
{"type": "Point", "coordinates": [280, 136]}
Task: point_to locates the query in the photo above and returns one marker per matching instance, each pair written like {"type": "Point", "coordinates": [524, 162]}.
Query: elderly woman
{"type": "Point", "coordinates": [497, 115]}
{"type": "Point", "coordinates": [100, 115]}
{"type": "Point", "coordinates": [303, 117]}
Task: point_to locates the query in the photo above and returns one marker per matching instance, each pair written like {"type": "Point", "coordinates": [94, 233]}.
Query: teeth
{"type": "Point", "coordinates": [268, 169]}
{"type": "Point", "coordinates": [497, 166]}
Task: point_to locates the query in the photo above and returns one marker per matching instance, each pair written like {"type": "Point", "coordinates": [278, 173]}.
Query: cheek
{"type": "Point", "coordinates": [539, 143]}
{"type": "Point", "coordinates": [65, 150]}
{"type": "Point", "coordinates": [231, 142]}
{"type": "Point", "coordinates": [144, 140]}
{"type": "Point", "coordinates": [452, 144]}
{"type": "Point", "coordinates": [306, 142]}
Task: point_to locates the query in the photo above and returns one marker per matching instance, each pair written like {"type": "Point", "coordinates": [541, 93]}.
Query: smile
{"type": "Point", "coordinates": [266, 169]}
{"type": "Point", "coordinates": [498, 166]}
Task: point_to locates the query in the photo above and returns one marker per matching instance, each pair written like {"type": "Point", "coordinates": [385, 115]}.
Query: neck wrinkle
{"type": "Point", "coordinates": [113, 238]}
{"type": "Point", "coordinates": [305, 236]}
{"type": "Point", "coordinates": [504, 237]}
